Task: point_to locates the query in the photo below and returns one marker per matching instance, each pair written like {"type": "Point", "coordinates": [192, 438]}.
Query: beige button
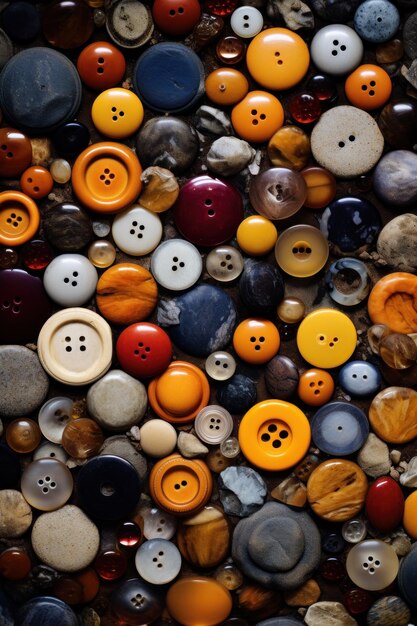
{"type": "Point", "coordinates": [372, 565]}
{"type": "Point", "coordinates": [220, 365]}
{"type": "Point", "coordinates": [224, 263]}
{"type": "Point", "coordinates": [48, 450]}
{"type": "Point", "coordinates": [75, 346]}
{"type": "Point", "coordinates": [158, 438]}
{"type": "Point", "coordinates": [15, 514]}
{"type": "Point", "coordinates": [47, 484]}
{"type": "Point", "coordinates": [213, 424]}
{"type": "Point", "coordinates": [301, 251]}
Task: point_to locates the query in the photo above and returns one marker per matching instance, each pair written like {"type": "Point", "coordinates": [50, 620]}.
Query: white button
{"type": "Point", "coordinates": [176, 264]}
{"type": "Point", "coordinates": [372, 565]}
{"type": "Point", "coordinates": [48, 450]}
{"type": "Point", "coordinates": [224, 263]}
{"type": "Point", "coordinates": [246, 21]}
{"type": "Point", "coordinates": [336, 49]}
{"type": "Point", "coordinates": [158, 438]}
{"type": "Point", "coordinates": [158, 561]}
{"type": "Point", "coordinates": [70, 279]}
{"type": "Point", "coordinates": [54, 415]}
{"type": "Point", "coordinates": [354, 531]}
{"type": "Point", "coordinates": [137, 231]}
{"type": "Point", "coordinates": [47, 484]}
{"type": "Point", "coordinates": [157, 524]}
{"type": "Point", "coordinates": [220, 365]}
{"type": "Point", "coordinates": [75, 346]}
{"type": "Point", "coordinates": [213, 424]}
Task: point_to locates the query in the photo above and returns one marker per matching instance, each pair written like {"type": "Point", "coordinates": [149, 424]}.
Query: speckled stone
{"type": "Point", "coordinates": [335, 11]}
{"type": "Point", "coordinates": [395, 178]}
{"type": "Point", "coordinates": [46, 611]}
{"type": "Point", "coordinates": [410, 36]}
{"type": "Point", "coordinates": [119, 445]}
{"type": "Point", "coordinates": [261, 286]}
{"type": "Point", "coordinates": [229, 156]}
{"type": "Point", "coordinates": [329, 613]}
{"type": "Point", "coordinates": [281, 377]}
{"type": "Point", "coordinates": [388, 611]}
{"type": "Point", "coordinates": [23, 382]}
{"type": "Point", "coordinates": [190, 446]}
{"type": "Point", "coordinates": [68, 227]}
{"type": "Point", "coordinates": [242, 490]}
{"type": "Point", "coordinates": [15, 514]}
{"type": "Point", "coordinates": [238, 394]}
{"type": "Point", "coordinates": [397, 243]}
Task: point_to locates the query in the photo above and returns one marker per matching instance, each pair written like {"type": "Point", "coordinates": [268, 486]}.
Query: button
{"type": "Point", "coordinates": [385, 504]}
{"type": "Point", "coordinates": [129, 535]}
{"type": "Point", "coordinates": [229, 448]}
{"type": "Point", "coordinates": [348, 237]}
{"type": "Point", "coordinates": [398, 351]}
{"type": "Point", "coordinates": [289, 147]}
{"type": "Point", "coordinates": [137, 231]}
{"type": "Point", "coordinates": [354, 531]}
{"type": "Point", "coordinates": [326, 338]}
{"type": "Point", "coordinates": [144, 350]}
{"type": "Point", "coordinates": [230, 49]}
{"type": "Point", "coordinates": [339, 428]}
{"type": "Point", "coordinates": [82, 438]}
{"type": "Point", "coordinates": [175, 17]}
{"type": "Point", "coordinates": [226, 86]}
{"type": "Point", "coordinates": [406, 577]}
{"type": "Point", "coordinates": [204, 541]}
{"type": "Point", "coordinates": [281, 377]}
{"type": "Point", "coordinates": [368, 87]}
{"type": "Point", "coordinates": [213, 424]}
{"type": "Point", "coordinates": [277, 58]}
{"type": "Point", "coordinates": [256, 235]}
{"type": "Point", "coordinates": [274, 435]}
{"type": "Point", "coordinates": [220, 366]}
{"type": "Point", "coordinates": [157, 524]}
{"type": "Point", "coordinates": [372, 564]}
{"type": "Point", "coordinates": [238, 394]}
{"type": "Point", "coordinates": [60, 171]}
{"type": "Point", "coordinates": [360, 378]}
{"type": "Point", "coordinates": [70, 139]}
{"type": "Point", "coordinates": [158, 561]}
{"type": "Point", "coordinates": [199, 599]}
{"type": "Point", "coordinates": [336, 49]}
{"type": "Point", "coordinates": [36, 255]}
{"type": "Point", "coordinates": [49, 450]}
{"type": "Point", "coordinates": [398, 123]}
{"type": "Point", "coordinates": [409, 517]}
{"type": "Point", "coordinates": [315, 387]}
{"type": "Point", "coordinates": [158, 438]}
{"type": "Point", "coordinates": [291, 310]}
{"type": "Point", "coordinates": [176, 264]}
{"type": "Point", "coordinates": [75, 346]}
{"type": "Point", "coordinates": [106, 177]}
{"type": "Point", "coordinates": [53, 416]}
{"type": "Point", "coordinates": [208, 211]}
{"type": "Point", "coordinates": [392, 414]}
{"type": "Point", "coordinates": [246, 21]}
{"type": "Point", "coordinates": [261, 286]}
{"type": "Point", "coordinates": [257, 116]}
{"type": "Point", "coordinates": [15, 564]}
{"type": "Point", "coordinates": [180, 486]}
{"type": "Point", "coordinates": [129, 23]}
{"type": "Point", "coordinates": [179, 393]}
{"type": "Point", "coordinates": [101, 65]}
{"type": "Point", "coordinates": [337, 273]}
{"type": "Point", "coordinates": [136, 601]}
{"type": "Point", "coordinates": [101, 254]}
{"type": "Point", "coordinates": [36, 182]}
{"type": "Point", "coordinates": [333, 543]}
{"type": "Point", "coordinates": [224, 263]}
{"type": "Point", "coordinates": [321, 187]}
{"type": "Point", "coordinates": [392, 302]}
{"type": "Point", "coordinates": [70, 279]}
{"type": "Point", "coordinates": [67, 226]}
{"type": "Point", "coordinates": [126, 293]}
{"type": "Point", "coordinates": [23, 435]}
{"type": "Point", "coordinates": [301, 250]}
{"type": "Point", "coordinates": [110, 564]}
{"type": "Point", "coordinates": [184, 73]}
{"type": "Point", "coordinates": [277, 193]}
{"type": "Point", "coordinates": [19, 218]}
{"type": "Point", "coordinates": [47, 484]}
{"type": "Point", "coordinates": [15, 152]}
{"type": "Point", "coordinates": [376, 20]}
{"type": "Point", "coordinates": [117, 113]}
{"type": "Point", "coordinates": [21, 21]}
{"type": "Point", "coordinates": [256, 340]}
{"type": "Point", "coordinates": [67, 24]}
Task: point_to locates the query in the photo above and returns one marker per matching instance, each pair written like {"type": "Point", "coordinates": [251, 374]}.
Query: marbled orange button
{"type": "Point", "coordinates": [393, 301]}
{"type": "Point", "coordinates": [392, 414]}
{"type": "Point", "coordinates": [198, 601]}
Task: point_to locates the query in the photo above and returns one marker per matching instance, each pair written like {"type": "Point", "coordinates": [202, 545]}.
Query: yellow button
{"type": "Point", "coordinates": [226, 86]}
{"type": "Point", "coordinates": [277, 58]}
{"type": "Point", "coordinates": [256, 235]}
{"type": "Point", "coordinates": [256, 340]}
{"type": "Point", "coordinates": [199, 601]}
{"type": "Point", "coordinates": [301, 250]}
{"type": "Point", "coordinates": [117, 113]}
{"type": "Point", "coordinates": [274, 435]}
{"type": "Point", "coordinates": [19, 218]}
{"type": "Point", "coordinates": [410, 515]}
{"type": "Point", "coordinates": [326, 338]}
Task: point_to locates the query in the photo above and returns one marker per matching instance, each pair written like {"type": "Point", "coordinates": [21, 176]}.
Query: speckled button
{"type": "Point", "coordinates": [376, 20]}
{"type": "Point", "coordinates": [339, 428]}
{"type": "Point", "coordinates": [158, 561]}
{"type": "Point", "coordinates": [53, 416]}
{"type": "Point", "coordinates": [360, 378]}
{"type": "Point", "coordinates": [220, 365]}
{"type": "Point", "coordinates": [224, 263]}
{"type": "Point", "coordinates": [336, 49]}
{"type": "Point", "coordinates": [372, 564]}
{"type": "Point", "coordinates": [351, 224]}
{"type": "Point", "coordinates": [47, 484]}
{"type": "Point", "coordinates": [326, 338]}
{"type": "Point", "coordinates": [301, 251]}
{"type": "Point", "coordinates": [19, 218]}
{"type": "Point", "coordinates": [347, 141]}
{"type": "Point", "coordinates": [176, 264]}
{"type": "Point", "coordinates": [70, 279]}
{"type": "Point", "coordinates": [129, 23]}
{"type": "Point", "coordinates": [137, 231]}
{"type": "Point", "coordinates": [213, 424]}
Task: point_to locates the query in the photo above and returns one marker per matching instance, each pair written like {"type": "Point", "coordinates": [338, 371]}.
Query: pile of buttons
{"type": "Point", "coordinates": [208, 313]}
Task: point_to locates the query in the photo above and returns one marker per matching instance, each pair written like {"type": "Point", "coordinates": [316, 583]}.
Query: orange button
{"type": "Point", "coordinates": [179, 393]}
{"type": "Point", "coordinates": [277, 58]}
{"type": "Point", "coordinates": [19, 218]}
{"type": "Point", "coordinates": [36, 182]}
{"type": "Point", "coordinates": [117, 113]}
{"type": "Point", "coordinates": [199, 600]}
{"type": "Point", "coordinates": [326, 338]}
{"type": "Point", "coordinates": [274, 435]}
{"type": "Point", "coordinates": [180, 486]}
{"type": "Point", "coordinates": [321, 187]}
{"type": "Point", "coordinates": [368, 87]}
{"type": "Point", "coordinates": [256, 340]}
{"type": "Point", "coordinates": [256, 235]}
{"type": "Point", "coordinates": [106, 177]}
{"type": "Point", "coordinates": [410, 515]}
{"type": "Point", "coordinates": [226, 86]}
{"type": "Point", "coordinates": [315, 387]}
{"type": "Point", "coordinates": [258, 116]}
{"type": "Point", "coordinates": [393, 301]}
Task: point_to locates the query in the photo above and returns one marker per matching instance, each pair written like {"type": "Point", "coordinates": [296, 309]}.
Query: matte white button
{"type": "Point", "coordinates": [224, 263]}
{"type": "Point", "coordinates": [137, 231]}
{"type": "Point", "coordinates": [336, 49]}
{"type": "Point", "coordinates": [372, 565]}
{"type": "Point", "coordinates": [47, 484]}
{"type": "Point", "coordinates": [176, 264]}
{"type": "Point", "coordinates": [354, 531]}
{"type": "Point", "coordinates": [220, 365]}
{"type": "Point", "coordinates": [48, 450]}
{"type": "Point", "coordinates": [158, 561]}
{"type": "Point", "coordinates": [54, 415]}
{"type": "Point", "coordinates": [157, 524]}
{"type": "Point", "coordinates": [213, 424]}
{"type": "Point", "coordinates": [70, 280]}
{"type": "Point", "coordinates": [246, 21]}
{"type": "Point", "coordinates": [158, 438]}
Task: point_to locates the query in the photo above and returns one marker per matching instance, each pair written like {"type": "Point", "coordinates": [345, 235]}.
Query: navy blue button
{"type": "Point", "coordinates": [360, 378]}
{"type": "Point", "coordinates": [108, 487]}
{"type": "Point", "coordinates": [47, 611]}
{"type": "Point", "coordinates": [407, 577]}
{"type": "Point", "coordinates": [71, 139]}
{"type": "Point", "coordinates": [376, 20]}
{"type": "Point", "coordinates": [351, 223]}
{"type": "Point", "coordinates": [339, 428]}
{"type": "Point", "coordinates": [169, 77]}
{"type": "Point", "coordinates": [40, 89]}
{"type": "Point", "coordinates": [261, 286]}
{"type": "Point", "coordinates": [333, 543]}
{"type": "Point", "coordinates": [21, 21]}
{"type": "Point", "coordinates": [9, 468]}
{"type": "Point", "coordinates": [238, 394]}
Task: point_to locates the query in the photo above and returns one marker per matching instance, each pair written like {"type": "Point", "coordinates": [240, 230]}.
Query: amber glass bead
{"type": "Point", "coordinates": [398, 351]}
{"type": "Point", "coordinates": [15, 564]}
{"type": "Point", "coordinates": [68, 590]}
{"type": "Point", "coordinates": [90, 584]}
{"type": "Point", "coordinates": [102, 253]}
{"type": "Point", "coordinates": [289, 147]}
{"type": "Point", "coordinates": [67, 24]}
{"type": "Point", "coordinates": [37, 255]}
{"type": "Point", "coordinates": [230, 50]}
{"type": "Point", "coordinates": [291, 310]}
{"type": "Point", "coordinates": [357, 601]}
{"type": "Point", "coordinates": [129, 535]}
{"type": "Point", "coordinates": [399, 378]}
{"type": "Point", "coordinates": [305, 108]}
{"type": "Point", "coordinates": [229, 576]}
{"type": "Point", "coordinates": [375, 334]}
{"type": "Point", "coordinates": [110, 564]}
{"type": "Point", "coordinates": [221, 7]}
{"type": "Point", "coordinates": [323, 88]}
{"type": "Point", "coordinates": [332, 569]}
{"type": "Point", "coordinates": [321, 187]}
{"type": "Point", "coordinates": [8, 258]}
{"type": "Point", "coordinates": [23, 435]}
{"type": "Point", "coordinates": [82, 438]}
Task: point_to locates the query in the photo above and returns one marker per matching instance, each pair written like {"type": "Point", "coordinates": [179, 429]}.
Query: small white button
{"type": "Point", "coordinates": [158, 438]}
{"type": "Point", "coordinates": [224, 263]}
{"type": "Point", "coordinates": [354, 531]}
{"type": "Point", "coordinates": [336, 49]}
{"type": "Point", "coordinates": [246, 21]}
{"type": "Point", "coordinates": [137, 231]}
{"type": "Point", "coordinates": [213, 424]}
{"type": "Point", "coordinates": [176, 264]}
{"type": "Point", "coordinates": [54, 415]}
{"type": "Point", "coordinates": [47, 484]}
{"type": "Point", "coordinates": [48, 450]}
{"type": "Point", "coordinates": [220, 365]}
{"type": "Point", "coordinates": [158, 561]}
{"type": "Point", "coordinates": [70, 280]}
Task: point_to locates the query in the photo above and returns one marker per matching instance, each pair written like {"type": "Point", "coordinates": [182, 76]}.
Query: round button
{"type": "Point", "coordinates": [277, 58]}
{"type": "Point", "coordinates": [47, 484]}
{"type": "Point", "coordinates": [339, 428]}
{"type": "Point", "coordinates": [277, 193]}
{"type": "Point", "coordinates": [354, 531]}
{"type": "Point", "coordinates": [136, 601]}
{"type": "Point", "coordinates": [101, 65]}
{"type": "Point", "coordinates": [15, 152]}
{"type": "Point", "coordinates": [326, 338]}
{"type": "Point", "coordinates": [49, 450]}
{"type": "Point", "coordinates": [129, 23]}
{"type": "Point", "coordinates": [101, 253]}
{"type": "Point", "coordinates": [321, 187]}
{"type": "Point", "coordinates": [67, 24]}
{"type": "Point", "coordinates": [23, 435]}
{"type": "Point", "coordinates": [199, 599]}
{"type": "Point", "coordinates": [392, 412]}
{"type": "Point", "coordinates": [179, 393]}
{"type": "Point", "coordinates": [409, 517]}
{"type": "Point", "coordinates": [158, 561]}
{"type": "Point", "coordinates": [75, 346]}
{"type": "Point", "coordinates": [348, 295]}
{"type": "Point", "coordinates": [70, 139]}
{"type": "Point", "coordinates": [176, 264]}
{"type": "Point", "coordinates": [246, 21]}
{"type": "Point", "coordinates": [291, 310]}
{"type": "Point", "coordinates": [360, 378]}
{"type": "Point", "coordinates": [157, 524]}
{"type": "Point", "coordinates": [208, 211]}
{"type": "Point", "coordinates": [256, 235]}
{"type": "Point", "coordinates": [82, 438]}
{"type": "Point", "coordinates": [393, 301]}
{"type": "Point", "coordinates": [368, 87]}
{"type": "Point", "coordinates": [137, 231]}
{"type": "Point", "coordinates": [224, 263]}
{"type": "Point", "coordinates": [274, 435]}
{"type": "Point", "coordinates": [106, 177]}
{"type": "Point", "coordinates": [117, 113]}
{"type": "Point", "coordinates": [226, 86]}
{"type": "Point", "coordinates": [15, 564]}
{"type": "Point", "coordinates": [385, 504]}
{"type": "Point", "coordinates": [53, 416]}
{"type": "Point", "coordinates": [336, 49]}
{"type": "Point", "coordinates": [21, 21]}
{"type": "Point", "coordinates": [256, 340]}
{"type": "Point", "coordinates": [301, 250]}
{"type": "Point", "coordinates": [19, 218]}
{"type": "Point", "coordinates": [258, 116]}
{"type": "Point", "coordinates": [220, 366]}
{"type": "Point", "coordinates": [70, 279]}
{"type": "Point", "coordinates": [372, 564]}
{"type": "Point", "coordinates": [36, 182]}
{"type": "Point", "coordinates": [176, 17]}
{"type": "Point", "coordinates": [376, 20]}
{"type": "Point", "coordinates": [333, 543]}
{"type": "Point", "coordinates": [338, 225]}
{"type": "Point", "coordinates": [213, 424]}
{"type": "Point", "coordinates": [230, 49]}
{"type": "Point", "coordinates": [144, 350]}
{"type": "Point", "coordinates": [289, 147]}
{"type": "Point", "coordinates": [315, 387]}
{"type": "Point", "coordinates": [158, 438]}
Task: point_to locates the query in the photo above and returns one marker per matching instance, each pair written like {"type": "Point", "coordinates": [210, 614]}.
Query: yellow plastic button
{"type": "Point", "coordinates": [274, 435]}
{"type": "Point", "coordinates": [326, 338]}
{"type": "Point", "coordinates": [410, 515]}
{"type": "Point", "coordinates": [117, 113]}
{"type": "Point", "coordinates": [301, 250]}
{"type": "Point", "coordinates": [19, 218]}
{"type": "Point", "coordinates": [256, 235]}
{"type": "Point", "coordinates": [277, 58]}
{"type": "Point", "coordinates": [179, 393]}
{"type": "Point", "coordinates": [199, 601]}
{"type": "Point", "coordinates": [256, 340]}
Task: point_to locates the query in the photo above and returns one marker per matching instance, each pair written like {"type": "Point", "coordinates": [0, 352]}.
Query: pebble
{"type": "Point", "coordinates": [400, 542]}
{"type": "Point", "coordinates": [306, 595]}
{"type": "Point", "coordinates": [388, 611]}
{"type": "Point", "coordinates": [212, 120]}
{"type": "Point", "coordinates": [395, 178]}
{"type": "Point", "coordinates": [335, 11]}
{"type": "Point", "coordinates": [409, 477]}
{"type": "Point", "coordinates": [229, 155]}
{"type": "Point", "coordinates": [329, 613]}
{"type": "Point", "coordinates": [89, 617]}
{"type": "Point", "coordinates": [261, 286]}
{"type": "Point", "coordinates": [295, 13]}
{"type": "Point", "coordinates": [242, 490]}
{"type": "Point", "coordinates": [67, 227]}
{"type": "Point", "coordinates": [281, 377]}
{"type": "Point", "coordinates": [41, 151]}
{"type": "Point", "coordinates": [190, 446]}
{"type": "Point", "coordinates": [15, 514]}
{"type": "Point", "coordinates": [373, 458]}
{"type": "Point", "coordinates": [160, 189]}
{"type": "Point", "coordinates": [238, 394]}
{"type": "Point", "coordinates": [119, 445]}
{"type": "Point", "coordinates": [395, 456]}
{"type": "Point", "coordinates": [290, 491]}
{"type": "Point", "coordinates": [23, 382]}
{"type": "Point", "coordinates": [397, 243]}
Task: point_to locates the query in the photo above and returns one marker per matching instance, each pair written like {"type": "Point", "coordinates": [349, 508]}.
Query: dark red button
{"type": "Point", "coordinates": [208, 211]}
{"type": "Point", "coordinates": [176, 17]}
{"type": "Point", "coordinates": [101, 65]}
{"type": "Point", "coordinates": [358, 601]}
{"type": "Point", "coordinates": [144, 350]}
{"type": "Point", "coordinates": [385, 504]}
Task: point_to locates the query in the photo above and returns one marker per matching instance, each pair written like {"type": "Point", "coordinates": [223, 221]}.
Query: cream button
{"type": "Point", "coordinates": [213, 424]}
{"type": "Point", "coordinates": [75, 346]}
{"type": "Point", "coordinates": [48, 450]}
{"type": "Point", "coordinates": [158, 438]}
{"type": "Point", "coordinates": [176, 264]}
{"type": "Point", "coordinates": [70, 280]}
{"type": "Point", "coordinates": [47, 484]}
{"type": "Point", "coordinates": [301, 251]}
{"type": "Point", "coordinates": [220, 365]}
{"type": "Point", "coordinates": [158, 561]}
{"type": "Point", "coordinates": [137, 231]}
{"type": "Point", "coordinates": [53, 416]}
{"type": "Point", "coordinates": [336, 49]}
{"type": "Point", "coordinates": [372, 565]}
{"type": "Point", "coordinates": [224, 263]}
{"type": "Point", "coordinates": [246, 21]}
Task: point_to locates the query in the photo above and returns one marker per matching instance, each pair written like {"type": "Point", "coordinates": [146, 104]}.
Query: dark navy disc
{"type": "Point", "coordinates": [70, 139]}
{"type": "Point", "coordinates": [339, 428]}
{"type": "Point", "coordinates": [46, 611]}
{"type": "Point", "coordinates": [351, 223]}
{"type": "Point", "coordinates": [21, 21]}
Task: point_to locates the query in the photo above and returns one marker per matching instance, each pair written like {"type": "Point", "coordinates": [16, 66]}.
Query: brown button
{"type": "Point", "coordinates": [15, 152]}
{"type": "Point", "coordinates": [230, 50]}
{"type": "Point", "coordinates": [321, 187]}
{"type": "Point", "coordinates": [82, 438]}
{"type": "Point", "coordinates": [277, 193]}
{"type": "Point", "coordinates": [204, 539]}
{"type": "Point", "coordinates": [67, 24]}
{"type": "Point", "coordinates": [23, 435]}
{"type": "Point", "coordinates": [14, 564]}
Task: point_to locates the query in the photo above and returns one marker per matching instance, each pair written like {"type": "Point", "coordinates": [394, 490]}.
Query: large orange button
{"type": "Point", "coordinates": [368, 87]}
{"type": "Point", "coordinates": [19, 218]}
{"type": "Point", "coordinates": [226, 86]}
{"type": "Point", "coordinates": [179, 393]}
{"type": "Point", "coordinates": [326, 338]}
{"type": "Point", "coordinates": [277, 58]}
{"type": "Point", "coordinates": [274, 435]}
{"type": "Point", "coordinates": [256, 340]}
{"type": "Point", "coordinates": [180, 486]}
{"type": "Point", "coordinates": [106, 177]}
{"type": "Point", "coordinates": [393, 301]}
{"type": "Point", "coordinates": [199, 601]}
{"type": "Point", "coordinates": [117, 113]}
{"type": "Point", "coordinates": [258, 116]}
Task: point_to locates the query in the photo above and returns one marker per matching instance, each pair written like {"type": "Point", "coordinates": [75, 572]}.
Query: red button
{"type": "Point", "coordinates": [385, 504]}
{"type": "Point", "coordinates": [144, 350]}
{"type": "Point", "coordinates": [208, 211]}
{"type": "Point", "coordinates": [101, 65]}
{"type": "Point", "coordinates": [176, 17]}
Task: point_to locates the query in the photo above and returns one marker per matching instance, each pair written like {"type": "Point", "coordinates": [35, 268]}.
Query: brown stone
{"type": "Point", "coordinates": [392, 414]}
{"type": "Point", "coordinates": [390, 51]}
{"type": "Point", "coordinates": [290, 491]}
{"type": "Point", "coordinates": [160, 189]}
{"type": "Point", "coordinates": [306, 595]}
{"type": "Point", "coordinates": [257, 602]}
{"type": "Point", "coordinates": [304, 469]}
{"type": "Point", "coordinates": [204, 539]}
{"type": "Point", "coordinates": [289, 147]}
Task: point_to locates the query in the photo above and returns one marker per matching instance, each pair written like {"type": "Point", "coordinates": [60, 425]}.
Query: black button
{"type": "Point", "coordinates": [71, 139]}
{"type": "Point", "coordinates": [9, 468]}
{"type": "Point", "coordinates": [333, 543]}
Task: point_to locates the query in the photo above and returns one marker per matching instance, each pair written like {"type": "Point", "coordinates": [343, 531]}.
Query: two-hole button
{"type": "Point", "coordinates": [301, 250]}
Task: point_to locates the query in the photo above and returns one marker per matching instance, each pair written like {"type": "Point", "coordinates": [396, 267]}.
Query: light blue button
{"type": "Point", "coordinates": [376, 20]}
{"type": "Point", "coordinates": [339, 428]}
{"type": "Point", "coordinates": [360, 378]}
